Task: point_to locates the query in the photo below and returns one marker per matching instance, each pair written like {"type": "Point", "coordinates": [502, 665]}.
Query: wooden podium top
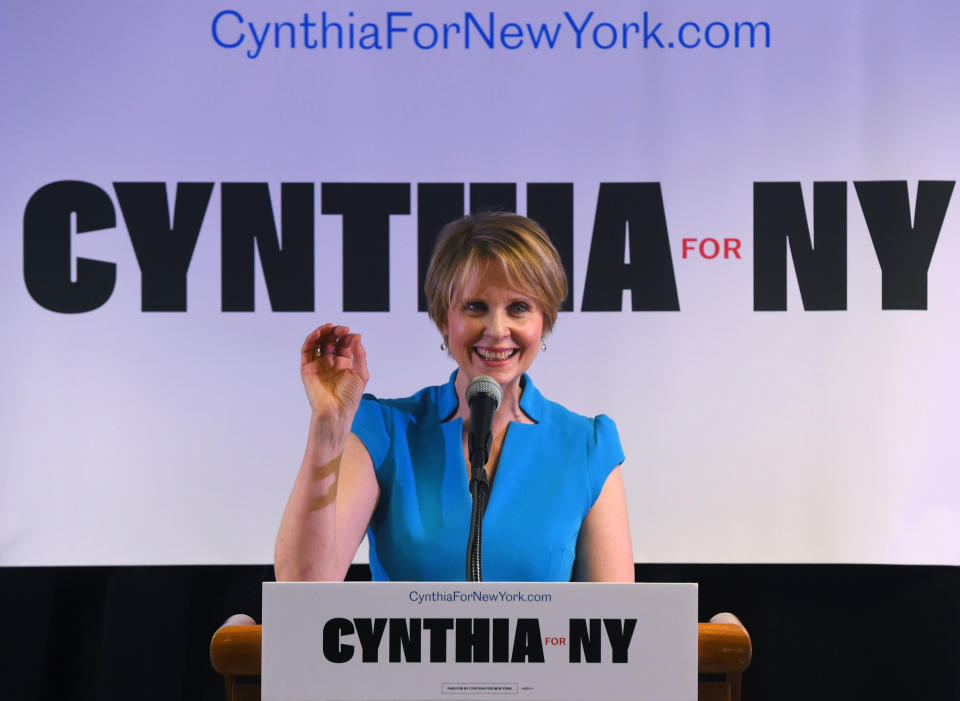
{"type": "Point", "coordinates": [724, 648]}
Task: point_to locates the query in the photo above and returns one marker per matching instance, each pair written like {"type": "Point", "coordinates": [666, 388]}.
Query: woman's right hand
{"type": "Point", "coordinates": [333, 366]}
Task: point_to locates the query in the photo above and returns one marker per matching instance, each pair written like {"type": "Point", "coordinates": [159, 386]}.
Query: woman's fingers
{"type": "Point", "coordinates": [347, 345]}
{"type": "Point", "coordinates": [360, 361]}
{"type": "Point", "coordinates": [333, 348]}
{"type": "Point", "coordinates": [334, 368]}
{"type": "Point", "coordinates": [351, 355]}
{"type": "Point", "coordinates": [345, 351]}
{"type": "Point", "coordinates": [352, 348]}
{"type": "Point", "coordinates": [313, 341]}
{"type": "Point", "coordinates": [323, 341]}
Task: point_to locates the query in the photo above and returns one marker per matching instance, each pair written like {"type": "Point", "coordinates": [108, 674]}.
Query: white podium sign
{"type": "Point", "coordinates": [491, 640]}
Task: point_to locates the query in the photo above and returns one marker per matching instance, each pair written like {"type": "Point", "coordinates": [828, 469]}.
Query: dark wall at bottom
{"type": "Point", "coordinates": [819, 631]}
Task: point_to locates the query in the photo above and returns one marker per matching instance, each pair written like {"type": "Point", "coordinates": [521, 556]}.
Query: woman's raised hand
{"type": "Point", "coordinates": [320, 531]}
{"type": "Point", "coordinates": [333, 366]}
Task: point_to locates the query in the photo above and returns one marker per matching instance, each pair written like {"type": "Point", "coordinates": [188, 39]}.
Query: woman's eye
{"type": "Point", "coordinates": [474, 306]}
{"type": "Point", "coordinates": [520, 307]}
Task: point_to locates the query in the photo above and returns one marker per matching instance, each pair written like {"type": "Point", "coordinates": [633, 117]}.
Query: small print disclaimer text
{"type": "Point", "coordinates": [479, 688]}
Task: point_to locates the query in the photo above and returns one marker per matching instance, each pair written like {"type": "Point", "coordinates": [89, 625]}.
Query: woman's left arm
{"type": "Point", "coordinates": [604, 551]}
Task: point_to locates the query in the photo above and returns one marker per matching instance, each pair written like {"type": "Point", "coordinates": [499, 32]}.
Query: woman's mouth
{"type": "Point", "coordinates": [491, 355]}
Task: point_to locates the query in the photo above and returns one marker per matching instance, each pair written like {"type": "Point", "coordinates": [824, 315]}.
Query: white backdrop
{"type": "Point", "coordinates": [136, 437]}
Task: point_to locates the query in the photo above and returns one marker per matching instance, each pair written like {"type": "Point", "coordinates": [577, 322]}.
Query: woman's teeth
{"type": "Point", "coordinates": [495, 355]}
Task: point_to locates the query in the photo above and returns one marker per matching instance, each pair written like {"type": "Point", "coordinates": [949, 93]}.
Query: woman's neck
{"type": "Point", "coordinates": [509, 406]}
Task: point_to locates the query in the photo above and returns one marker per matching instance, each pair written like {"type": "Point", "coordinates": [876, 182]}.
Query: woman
{"type": "Point", "coordinates": [398, 469]}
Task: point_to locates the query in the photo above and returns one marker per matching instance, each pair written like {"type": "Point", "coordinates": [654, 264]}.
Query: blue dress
{"type": "Point", "coordinates": [549, 476]}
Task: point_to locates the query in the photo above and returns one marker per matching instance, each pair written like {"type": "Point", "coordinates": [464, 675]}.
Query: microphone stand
{"type": "Point", "coordinates": [479, 488]}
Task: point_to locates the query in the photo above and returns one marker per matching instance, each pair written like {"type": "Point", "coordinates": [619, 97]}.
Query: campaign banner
{"type": "Point", "coordinates": [754, 203]}
{"type": "Point", "coordinates": [479, 640]}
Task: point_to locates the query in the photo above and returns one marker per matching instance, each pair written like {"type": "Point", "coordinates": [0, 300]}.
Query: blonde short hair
{"type": "Point", "coordinates": [518, 244]}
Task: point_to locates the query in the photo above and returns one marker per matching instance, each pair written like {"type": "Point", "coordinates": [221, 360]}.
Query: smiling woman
{"type": "Point", "coordinates": [396, 469]}
{"type": "Point", "coordinates": [494, 329]}
{"type": "Point", "coordinates": [494, 287]}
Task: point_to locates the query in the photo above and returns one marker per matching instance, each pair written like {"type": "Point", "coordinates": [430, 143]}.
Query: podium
{"type": "Point", "coordinates": [724, 652]}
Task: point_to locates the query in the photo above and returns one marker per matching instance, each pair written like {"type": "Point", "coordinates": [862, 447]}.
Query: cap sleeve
{"type": "Point", "coordinates": [603, 453]}
{"type": "Point", "coordinates": [370, 426]}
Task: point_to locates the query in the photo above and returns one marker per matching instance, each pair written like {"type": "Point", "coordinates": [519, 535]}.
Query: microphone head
{"type": "Point", "coordinates": [484, 384]}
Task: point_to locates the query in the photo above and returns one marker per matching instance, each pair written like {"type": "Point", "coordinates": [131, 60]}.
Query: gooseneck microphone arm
{"type": "Point", "coordinates": [479, 488]}
{"type": "Point", "coordinates": [483, 397]}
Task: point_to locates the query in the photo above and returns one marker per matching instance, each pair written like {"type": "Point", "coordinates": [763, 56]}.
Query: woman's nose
{"type": "Point", "coordinates": [496, 324]}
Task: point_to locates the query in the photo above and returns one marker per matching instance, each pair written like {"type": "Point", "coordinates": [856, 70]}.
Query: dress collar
{"type": "Point", "coordinates": [531, 401]}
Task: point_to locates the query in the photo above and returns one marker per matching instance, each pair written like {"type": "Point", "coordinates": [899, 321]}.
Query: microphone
{"type": "Point", "coordinates": [483, 397]}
